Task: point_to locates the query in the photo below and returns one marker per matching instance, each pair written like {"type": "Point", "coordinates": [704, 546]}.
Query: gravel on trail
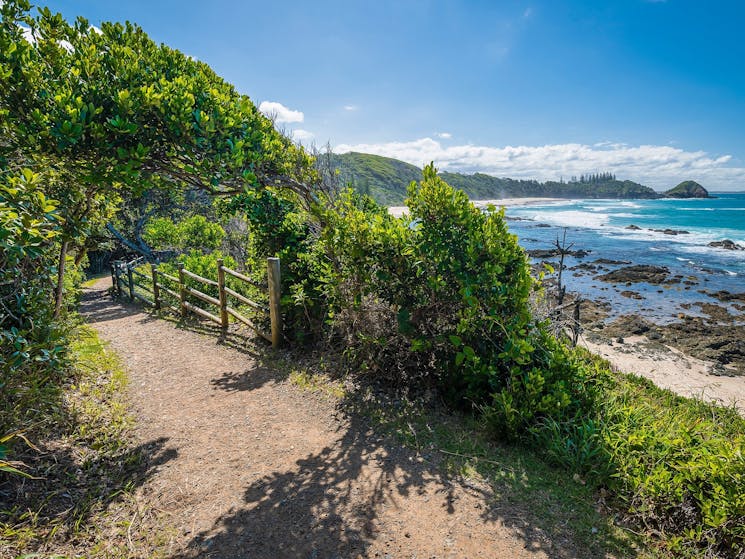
{"type": "Point", "coordinates": [252, 466]}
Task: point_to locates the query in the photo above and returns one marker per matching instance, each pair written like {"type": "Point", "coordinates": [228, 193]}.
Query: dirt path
{"type": "Point", "coordinates": [258, 468]}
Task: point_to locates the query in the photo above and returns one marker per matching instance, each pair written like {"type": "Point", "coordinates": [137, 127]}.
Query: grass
{"type": "Point", "coordinates": [653, 474]}
{"type": "Point", "coordinates": [81, 500]}
{"type": "Point", "coordinates": [567, 513]}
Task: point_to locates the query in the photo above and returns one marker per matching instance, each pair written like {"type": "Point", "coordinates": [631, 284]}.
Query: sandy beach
{"type": "Point", "coordinates": [670, 368]}
{"type": "Point", "coordinates": [398, 211]}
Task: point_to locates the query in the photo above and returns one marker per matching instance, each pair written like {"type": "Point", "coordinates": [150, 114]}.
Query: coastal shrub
{"type": "Point", "coordinates": [679, 466]}
{"type": "Point", "coordinates": [675, 465]}
{"type": "Point", "coordinates": [193, 233]}
{"type": "Point", "coordinates": [442, 298]}
{"type": "Point", "coordinates": [32, 342]}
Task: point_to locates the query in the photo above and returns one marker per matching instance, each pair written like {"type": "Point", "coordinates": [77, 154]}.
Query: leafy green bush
{"type": "Point", "coordinates": [679, 466]}
{"type": "Point", "coordinates": [675, 465]}
{"type": "Point", "coordinates": [161, 233]}
{"type": "Point", "coordinates": [193, 233]}
{"type": "Point", "coordinates": [443, 297]}
{"type": "Point", "coordinates": [31, 342]}
{"type": "Point", "coordinates": [197, 232]}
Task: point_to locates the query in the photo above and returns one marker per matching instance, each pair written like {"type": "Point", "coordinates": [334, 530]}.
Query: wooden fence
{"type": "Point", "coordinates": [127, 280]}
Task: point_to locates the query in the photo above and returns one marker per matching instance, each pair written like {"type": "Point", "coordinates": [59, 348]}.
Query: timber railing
{"type": "Point", "coordinates": [127, 280]}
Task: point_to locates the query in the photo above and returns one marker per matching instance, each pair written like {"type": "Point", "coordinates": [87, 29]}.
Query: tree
{"type": "Point", "coordinates": [116, 115]}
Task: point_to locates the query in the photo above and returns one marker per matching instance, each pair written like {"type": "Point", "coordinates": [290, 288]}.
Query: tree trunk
{"type": "Point", "coordinates": [80, 255]}
{"type": "Point", "coordinates": [58, 292]}
{"type": "Point", "coordinates": [142, 249]}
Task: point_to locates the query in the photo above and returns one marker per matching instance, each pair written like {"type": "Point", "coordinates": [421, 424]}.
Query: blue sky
{"type": "Point", "coordinates": [651, 90]}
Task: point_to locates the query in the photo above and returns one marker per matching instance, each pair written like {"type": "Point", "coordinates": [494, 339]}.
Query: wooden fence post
{"type": "Point", "coordinates": [113, 279]}
{"type": "Point", "coordinates": [274, 295]}
{"type": "Point", "coordinates": [182, 289]}
{"type": "Point", "coordinates": [131, 284]}
{"type": "Point", "coordinates": [222, 295]}
{"type": "Point", "coordinates": [156, 288]}
{"type": "Point", "coordinates": [117, 286]}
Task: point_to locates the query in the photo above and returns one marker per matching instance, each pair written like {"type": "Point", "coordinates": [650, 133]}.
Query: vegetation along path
{"type": "Point", "coordinates": [260, 468]}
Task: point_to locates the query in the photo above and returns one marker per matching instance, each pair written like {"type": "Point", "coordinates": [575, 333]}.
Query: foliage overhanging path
{"type": "Point", "coordinates": [263, 467]}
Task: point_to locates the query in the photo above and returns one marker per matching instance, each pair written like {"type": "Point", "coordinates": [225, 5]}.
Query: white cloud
{"type": "Point", "coordinates": [280, 113]}
{"type": "Point", "coordinates": [66, 45]}
{"type": "Point", "coordinates": [660, 167]}
{"type": "Point", "coordinates": [301, 135]}
{"type": "Point", "coordinates": [444, 135]}
{"type": "Point", "coordinates": [351, 108]}
{"type": "Point", "coordinates": [28, 34]}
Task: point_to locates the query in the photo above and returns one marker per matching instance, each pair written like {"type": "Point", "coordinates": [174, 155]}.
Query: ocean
{"type": "Point", "coordinates": [601, 227]}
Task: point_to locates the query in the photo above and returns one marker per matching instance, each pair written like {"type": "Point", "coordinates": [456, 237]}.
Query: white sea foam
{"type": "Point", "coordinates": [704, 249]}
{"type": "Point", "coordinates": [628, 215]}
{"type": "Point", "coordinates": [572, 218]}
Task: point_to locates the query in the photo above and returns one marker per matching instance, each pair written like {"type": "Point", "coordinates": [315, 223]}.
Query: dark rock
{"type": "Point", "coordinates": [554, 253]}
{"type": "Point", "coordinates": [673, 280]}
{"type": "Point", "coordinates": [715, 312]}
{"type": "Point", "coordinates": [726, 244]}
{"type": "Point", "coordinates": [628, 325]}
{"type": "Point", "coordinates": [633, 227]}
{"type": "Point", "coordinates": [584, 266]}
{"type": "Point", "coordinates": [638, 273]}
{"type": "Point", "coordinates": [541, 253]}
{"type": "Point", "coordinates": [725, 296]}
{"type": "Point", "coordinates": [631, 295]}
{"type": "Point", "coordinates": [671, 231]}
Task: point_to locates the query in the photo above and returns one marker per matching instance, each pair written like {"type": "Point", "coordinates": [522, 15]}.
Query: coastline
{"type": "Point", "coordinates": [695, 348]}
{"type": "Point", "coordinates": [399, 211]}
{"type": "Point", "coordinates": [670, 368]}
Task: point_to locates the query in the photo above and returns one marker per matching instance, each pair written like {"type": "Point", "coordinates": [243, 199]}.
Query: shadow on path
{"type": "Point", "coordinates": [364, 495]}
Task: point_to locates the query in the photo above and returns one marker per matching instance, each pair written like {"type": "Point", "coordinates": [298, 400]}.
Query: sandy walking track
{"type": "Point", "coordinates": [249, 465]}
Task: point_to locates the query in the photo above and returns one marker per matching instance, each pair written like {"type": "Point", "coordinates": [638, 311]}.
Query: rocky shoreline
{"type": "Point", "coordinates": [690, 352]}
{"type": "Point", "coordinates": [710, 331]}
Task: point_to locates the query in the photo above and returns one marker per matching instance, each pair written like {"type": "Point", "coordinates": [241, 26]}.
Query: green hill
{"type": "Point", "coordinates": [386, 179]}
{"type": "Point", "coordinates": [383, 178]}
{"type": "Point", "coordinates": [687, 189]}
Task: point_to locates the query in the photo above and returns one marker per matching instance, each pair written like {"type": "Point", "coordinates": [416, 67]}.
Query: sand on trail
{"type": "Point", "coordinates": [258, 468]}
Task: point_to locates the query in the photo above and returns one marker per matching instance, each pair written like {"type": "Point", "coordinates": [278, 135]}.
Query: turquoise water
{"type": "Point", "coordinates": [600, 227]}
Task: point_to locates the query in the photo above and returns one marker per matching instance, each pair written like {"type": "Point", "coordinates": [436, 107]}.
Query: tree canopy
{"type": "Point", "coordinates": [128, 112]}
{"type": "Point", "coordinates": [109, 116]}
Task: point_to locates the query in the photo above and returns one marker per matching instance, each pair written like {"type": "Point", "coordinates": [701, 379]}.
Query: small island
{"type": "Point", "coordinates": [687, 189]}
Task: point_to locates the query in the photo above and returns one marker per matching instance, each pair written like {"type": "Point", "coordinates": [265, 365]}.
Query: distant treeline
{"type": "Point", "coordinates": [386, 179]}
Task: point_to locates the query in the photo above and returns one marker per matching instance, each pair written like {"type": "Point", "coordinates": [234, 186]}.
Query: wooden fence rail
{"type": "Point", "coordinates": [124, 275]}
